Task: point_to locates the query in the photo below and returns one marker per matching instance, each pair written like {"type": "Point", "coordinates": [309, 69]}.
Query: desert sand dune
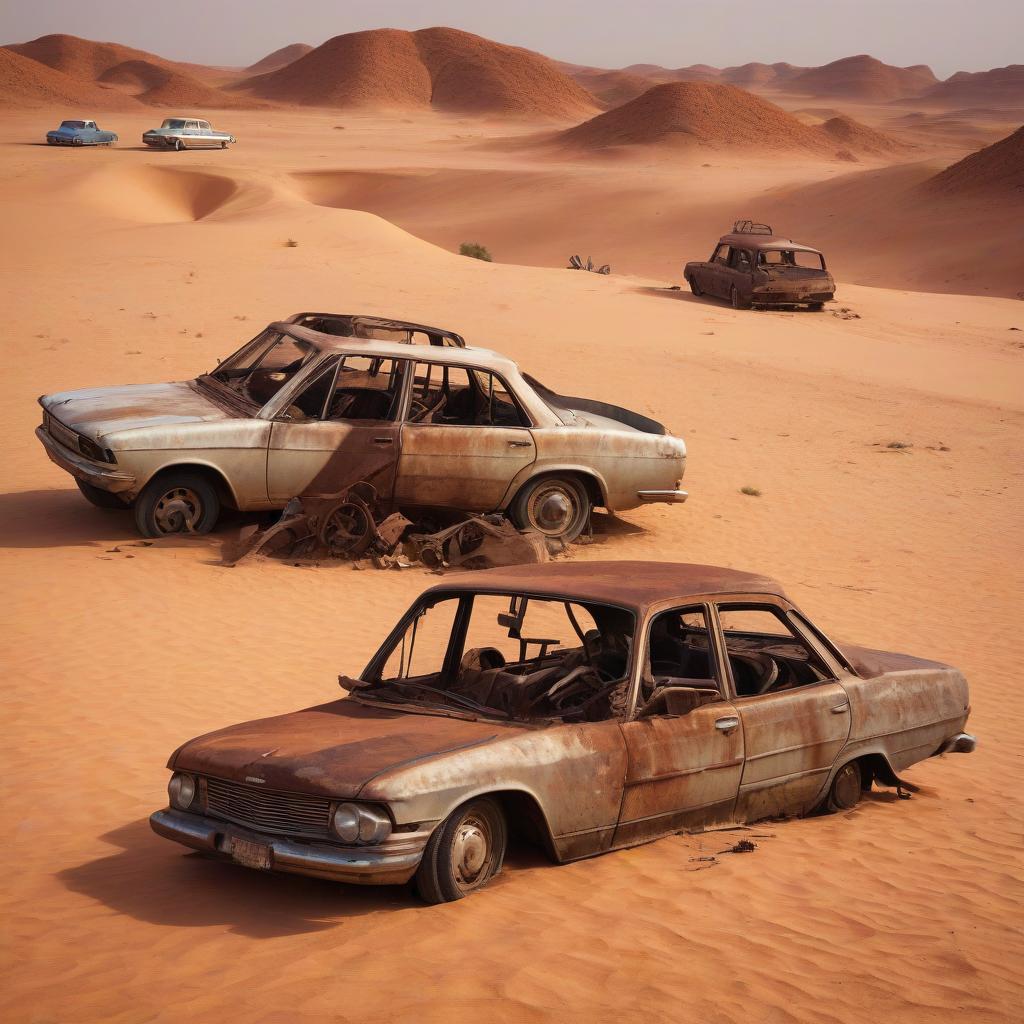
{"type": "Point", "coordinates": [439, 67]}
{"type": "Point", "coordinates": [27, 83]}
{"type": "Point", "coordinates": [864, 77]}
{"type": "Point", "coordinates": [279, 58]}
{"type": "Point", "coordinates": [718, 117]}
{"type": "Point", "coordinates": [997, 171]}
{"type": "Point", "coordinates": [162, 86]}
{"type": "Point", "coordinates": [999, 87]}
{"type": "Point", "coordinates": [116, 653]}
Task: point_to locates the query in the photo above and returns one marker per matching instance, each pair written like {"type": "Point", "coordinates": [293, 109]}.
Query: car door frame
{"type": "Point", "coordinates": [785, 794]}
{"type": "Point", "coordinates": [521, 440]}
{"type": "Point", "coordinates": [661, 801]}
{"type": "Point", "coordinates": [716, 279]}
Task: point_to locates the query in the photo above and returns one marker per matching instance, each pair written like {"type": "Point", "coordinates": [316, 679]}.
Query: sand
{"type": "Point", "coordinates": [995, 171]}
{"type": "Point", "coordinates": [864, 77]}
{"type": "Point", "coordinates": [279, 58]}
{"type": "Point", "coordinates": [129, 265]}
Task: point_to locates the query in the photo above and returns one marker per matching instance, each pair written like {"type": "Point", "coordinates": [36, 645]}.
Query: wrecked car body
{"type": "Point", "coordinates": [300, 412]}
{"type": "Point", "coordinates": [751, 266]}
{"type": "Point", "coordinates": [585, 706]}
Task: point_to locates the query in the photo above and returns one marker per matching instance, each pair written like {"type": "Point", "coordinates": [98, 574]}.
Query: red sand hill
{"type": "Point", "coordinates": [1000, 87]}
{"type": "Point", "coordinates": [859, 138]}
{"type": "Point", "coordinates": [160, 85]}
{"type": "Point", "coordinates": [996, 170]}
{"type": "Point", "coordinates": [864, 77]}
{"type": "Point", "coordinates": [717, 116]}
{"type": "Point", "coordinates": [612, 88]}
{"type": "Point", "coordinates": [27, 83]}
{"type": "Point", "coordinates": [439, 67]}
{"type": "Point", "coordinates": [82, 58]}
{"type": "Point", "coordinates": [280, 58]}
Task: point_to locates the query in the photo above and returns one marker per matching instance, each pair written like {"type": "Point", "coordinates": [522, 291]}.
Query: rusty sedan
{"type": "Point", "coordinates": [584, 706]}
{"type": "Point", "coordinates": [311, 407]}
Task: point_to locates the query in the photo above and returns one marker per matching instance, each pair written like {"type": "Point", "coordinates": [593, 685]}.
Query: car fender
{"type": "Point", "coordinates": [193, 461]}
{"type": "Point", "coordinates": [539, 469]}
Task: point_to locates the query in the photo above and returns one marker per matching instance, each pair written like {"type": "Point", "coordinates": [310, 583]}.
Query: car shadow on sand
{"type": "Point", "coordinates": [162, 883]}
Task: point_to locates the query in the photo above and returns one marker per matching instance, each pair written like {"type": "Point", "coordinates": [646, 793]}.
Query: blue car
{"type": "Point", "coordinates": [80, 133]}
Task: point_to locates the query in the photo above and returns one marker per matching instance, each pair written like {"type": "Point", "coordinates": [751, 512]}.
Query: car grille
{"type": "Point", "coordinates": [267, 811]}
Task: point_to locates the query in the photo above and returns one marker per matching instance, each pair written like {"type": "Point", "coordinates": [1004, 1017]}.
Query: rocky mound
{"type": "Point", "coordinates": [996, 170]}
{"type": "Point", "coordinates": [279, 58]}
{"type": "Point", "coordinates": [81, 58]}
{"type": "Point", "coordinates": [161, 86]}
{"type": "Point", "coordinates": [437, 67]}
{"type": "Point", "coordinates": [718, 117]}
{"type": "Point", "coordinates": [1000, 87]}
{"type": "Point", "coordinates": [864, 77]}
{"type": "Point", "coordinates": [859, 138]}
{"type": "Point", "coordinates": [27, 83]}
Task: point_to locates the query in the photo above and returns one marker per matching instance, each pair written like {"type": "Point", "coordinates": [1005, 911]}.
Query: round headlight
{"type": "Point", "coordinates": [181, 790]}
{"type": "Point", "coordinates": [345, 822]}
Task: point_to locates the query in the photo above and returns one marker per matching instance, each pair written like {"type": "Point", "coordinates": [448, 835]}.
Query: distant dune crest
{"type": "Point", "coordinates": [279, 58]}
{"type": "Point", "coordinates": [996, 170]}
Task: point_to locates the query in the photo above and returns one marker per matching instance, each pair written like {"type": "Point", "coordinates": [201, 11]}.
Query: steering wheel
{"type": "Point", "coordinates": [420, 408]}
{"type": "Point", "coordinates": [771, 672]}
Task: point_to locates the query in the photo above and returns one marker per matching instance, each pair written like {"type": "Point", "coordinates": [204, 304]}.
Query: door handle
{"type": "Point", "coordinates": [383, 440]}
{"type": "Point", "coordinates": [727, 724]}
{"type": "Point", "coordinates": [520, 444]}
{"type": "Point", "coordinates": [840, 709]}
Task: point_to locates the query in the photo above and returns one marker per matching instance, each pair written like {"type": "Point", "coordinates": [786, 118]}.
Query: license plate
{"type": "Point", "coordinates": [252, 855]}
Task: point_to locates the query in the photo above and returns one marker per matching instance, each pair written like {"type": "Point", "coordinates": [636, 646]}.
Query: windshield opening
{"type": "Point", "coordinates": [72, 124]}
{"type": "Point", "coordinates": [264, 366]}
{"type": "Point", "coordinates": [173, 123]}
{"type": "Point", "coordinates": [801, 258]}
{"type": "Point", "coordinates": [509, 656]}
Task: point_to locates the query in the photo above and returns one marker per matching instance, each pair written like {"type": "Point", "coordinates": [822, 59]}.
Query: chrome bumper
{"type": "Point", "coordinates": [962, 743]}
{"type": "Point", "coordinates": [77, 465]}
{"type": "Point", "coordinates": [672, 497]}
{"type": "Point", "coordinates": [391, 863]}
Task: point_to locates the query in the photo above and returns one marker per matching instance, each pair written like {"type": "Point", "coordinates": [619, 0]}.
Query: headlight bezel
{"type": "Point", "coordinates": [365, 824]}
{"type": "Point", "coordinates": [182, 790]}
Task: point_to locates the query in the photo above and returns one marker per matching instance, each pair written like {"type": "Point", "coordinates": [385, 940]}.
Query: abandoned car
{"type": "Point", "coordinates": [586, 706]}
{"type": "Point", "coordinates": [186, 133]}
{"type": "Point", "coordinates": [299, 412]}
{"type": "Point", "coordinates": [80, 133]}
{"type": "Point", "coordinates": [753, 267]}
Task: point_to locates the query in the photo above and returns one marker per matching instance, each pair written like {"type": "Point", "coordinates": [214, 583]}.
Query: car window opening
{"type": "Point", "coordinates": [455, 396]}
{"type": "Point", "coordinates": [513, 657]}
{"type": "Point", "coordinates": [800, 259]}
{"type": "Point", "coordinates": [765, 654]}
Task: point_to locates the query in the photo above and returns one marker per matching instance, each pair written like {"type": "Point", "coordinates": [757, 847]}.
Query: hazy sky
{"type": "Point", "coordinates": [950, 35]}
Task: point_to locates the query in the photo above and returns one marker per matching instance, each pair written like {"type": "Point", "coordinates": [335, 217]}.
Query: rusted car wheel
{"type": "Point", "coordinates": [176, 503]}
{"type": "Point", "coordinates": [738, 302]}
{"type": "Point", "coordinates": [845, 790]}
{"type": "Point", "coordinates": [555, 506]}
{"type": "Point", "coordinates": [99, 497]}
{"type": "Point", "coordinates": [695, 288]}
{"type": "Point", "coordinates": [464, 853]}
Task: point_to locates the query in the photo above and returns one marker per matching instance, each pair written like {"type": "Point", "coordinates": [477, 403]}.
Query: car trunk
{"type": "Point", "coordinates": [594, 411]}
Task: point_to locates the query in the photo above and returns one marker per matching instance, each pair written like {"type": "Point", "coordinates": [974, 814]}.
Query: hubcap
{"type": "Point", "coordinates": [471, 851]}
{"type": "Point", "coordinates": [552, 510]}
{"type": "Point", "coordinates": [847, 787]}
{"type": "Point", "coordinates": [178, 511]}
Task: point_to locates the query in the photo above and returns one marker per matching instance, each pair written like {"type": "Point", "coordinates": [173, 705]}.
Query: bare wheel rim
{"type": "Point", "coordinates": [347, 530]}
{"type": "Point", "coordinates": [846, 788]}
{"type": "Point", "coordinates": [553, 509]}
{"type": "Point", "coordinates": [472, 851]}
{"type": "Point", "coordinates": [178, 510]}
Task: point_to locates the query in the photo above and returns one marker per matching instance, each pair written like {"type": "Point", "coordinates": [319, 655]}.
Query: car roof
{"type": "Point", "coordinates": [751, 241]}
{"type": "Point", "coordinates": [377, 321]}
{"type": "Point", "coordinates": [634, 585]}
{"type": "Point", "coordinates": [477, 358]}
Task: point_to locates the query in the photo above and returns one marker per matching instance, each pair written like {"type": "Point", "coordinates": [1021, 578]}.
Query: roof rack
{"type": "Point", "coordinates": [751, 227]}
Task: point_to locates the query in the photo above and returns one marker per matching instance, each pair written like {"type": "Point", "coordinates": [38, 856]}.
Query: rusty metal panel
{"type": "Point", "coordinates": [683, 771]}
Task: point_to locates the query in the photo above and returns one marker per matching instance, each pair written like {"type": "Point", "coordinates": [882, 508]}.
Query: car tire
{"type": "Point", "coordinates": [557, 507]}
{"type": "Point", "coordinates": [224, 145]}
{"type": "Point", "coordinates": [175, 502]}
{"type": "Point", "coordinates": [845, 791]}
{"type": "Point", "coordinates": [465, 852]}
{"type": "Point", "coordinates": [694, 287]}
{"type": "Point", "coordinates": [178, 145]}
{"type": "Point", "coordinates": [816, 307]}
{"type": "Point", "coordinates": [99, 497]}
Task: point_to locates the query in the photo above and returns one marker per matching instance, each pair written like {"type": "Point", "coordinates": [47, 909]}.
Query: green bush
{"type": "Point", "coordinates": [476, 250]}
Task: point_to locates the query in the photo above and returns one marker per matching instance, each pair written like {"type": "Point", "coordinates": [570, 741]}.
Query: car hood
{"type": "Point", "coordinates": [96, 412]}
{"type": "Point", "coordinates": [331, 750]}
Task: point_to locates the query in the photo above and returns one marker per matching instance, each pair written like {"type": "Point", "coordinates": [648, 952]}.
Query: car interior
{"type": "Point", "coordinates": [351, 388]}
{"type": "Point", "coordinates": [505, 656]}
{"type": "Point", "coordinates": [455, 396]}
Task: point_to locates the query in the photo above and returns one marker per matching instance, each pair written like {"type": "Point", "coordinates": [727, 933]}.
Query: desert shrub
{"type": "Point", "coordinates": [750, 492]}
{"type": "Point", "coordinates": [476, 251]}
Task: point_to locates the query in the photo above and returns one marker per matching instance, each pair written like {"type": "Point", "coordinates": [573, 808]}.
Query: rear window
{"type": "Point", "coordinates": [791, 258]}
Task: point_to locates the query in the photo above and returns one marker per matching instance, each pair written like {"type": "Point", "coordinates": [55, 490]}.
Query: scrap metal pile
{"type": "Point", "coordinates": [351, 525]}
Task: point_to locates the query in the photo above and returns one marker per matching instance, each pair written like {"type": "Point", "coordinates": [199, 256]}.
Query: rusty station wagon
{"type": "Point", "coordinates": [586, 706]}
{"type": "Point", "coordinates": [312, 406]}
{"type": "Point", "coordinates": [753, 267]}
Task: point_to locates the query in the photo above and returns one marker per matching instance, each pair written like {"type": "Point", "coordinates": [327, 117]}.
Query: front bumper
{"type": "Point", "coordinates": [392, 862]}
{"type": "Point", "coordinates": [159, 141]}
{"type": "Point", "coordinates": [77, 465]}
{"type": "Point", "coordinates": [671, 497]}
